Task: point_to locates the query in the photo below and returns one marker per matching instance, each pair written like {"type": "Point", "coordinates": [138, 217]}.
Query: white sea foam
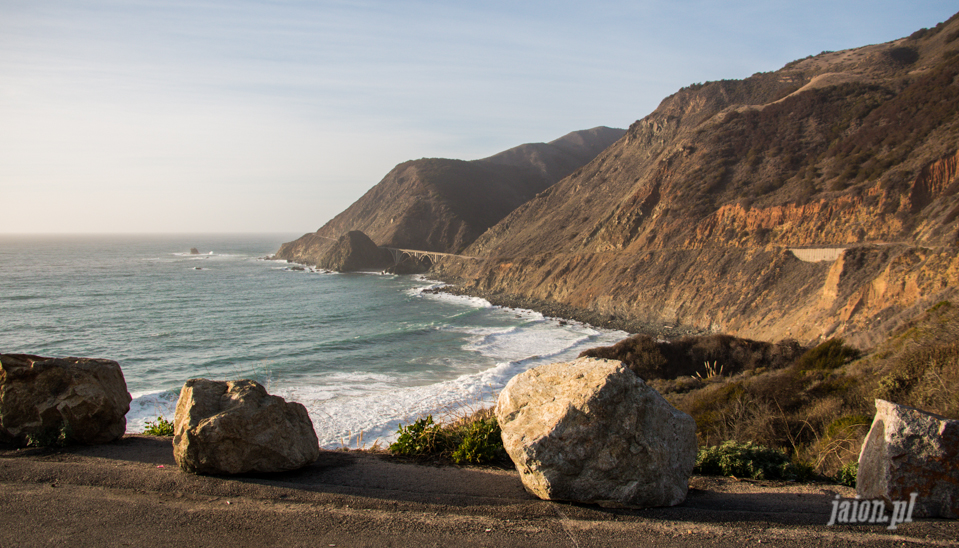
{"type": "Point", "coordinates": [434, 285]}
{"type": "Point", "coordinates": [475, 302]}
{"type": "Point", "coordinates": [360, 408]}
{"type": "Point", "coordinates": [371, 412]}
{"type": "Point", "coordinates": [526, 343]}
{"type": "Point", "coordinates": [147, 406]}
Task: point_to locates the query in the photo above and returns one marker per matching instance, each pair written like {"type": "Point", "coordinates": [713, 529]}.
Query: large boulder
{"type": "Point", "coordinates": [906, 451]}
{"type": "Point", "coordinates": [592, 431]}
{"type": "Point", "coordinates": [235, 427]}
{"type": "Point", "coordinates": [61, 400]}
{"type": "Point", "coordinates": [355, 251]}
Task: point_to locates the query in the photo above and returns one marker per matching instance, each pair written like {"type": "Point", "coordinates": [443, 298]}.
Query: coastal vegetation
{"type": "Point", "coordinates": [59, 436]}
{"type": "Point", "coordinates": [748, 460]}
{"type": "Point", "coordinates": [813, 405]}
{"type": "Point", "coordinates": [159, 427]}
{"type": "Point", "coordinates": [847, 474]}
{"type": "Point", "coordinates": [469, 439]}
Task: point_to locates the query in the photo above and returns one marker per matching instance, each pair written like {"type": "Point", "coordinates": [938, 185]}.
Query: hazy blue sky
{"type": "Point", "coordinates": [252, 116]}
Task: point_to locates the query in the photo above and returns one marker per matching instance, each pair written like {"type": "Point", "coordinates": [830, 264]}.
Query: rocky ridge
{"type": "Point", "coordinates": [436, 204]}
{"type": "Point", "coordinates": [690, 218]}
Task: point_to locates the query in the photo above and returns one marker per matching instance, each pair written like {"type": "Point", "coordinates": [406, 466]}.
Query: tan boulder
{"type": "Point", "coordinates": [235, 427]}
{"type": "Point", "coordinates": [907, 451]}
{"type": "Point", "coordinates": [592, 431]}
{"type": "Point", "coordinates": [61, 400]}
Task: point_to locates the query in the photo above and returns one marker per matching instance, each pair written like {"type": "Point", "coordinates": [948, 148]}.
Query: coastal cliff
{"type": "Point", "coordinates": [703, 213]}
{"type": "Point", "coordinates": [443, 205]}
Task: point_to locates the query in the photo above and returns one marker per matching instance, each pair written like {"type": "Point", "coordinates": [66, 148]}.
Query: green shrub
{"type": "Point", "coordinates": [747, 460]}
{"type": "Point", "coordinates": [927, 378]}
{"type": "Point", "coordinates": [475, 439]}
{"type": "Point", "coordinates": [902, 55]}
{"type": "Point", "coordinates": [58, 436]}
{"type": "Point", "coordinates": [828, 355]}
{"type": "Point", "coordinates": [847, 474]}
{"type": "Point", "coordinates": [482, 443]}
{"type": "Point", "coordinates": [847, 424]}
{"type": "Point", "coordinates": [159, 427]}
{"type": "Point", "coordinates": [940, 304]}
{"type": "Point", "coordinates": [803, 471]}
{"type": "Point", "coordinates": [422, 437]}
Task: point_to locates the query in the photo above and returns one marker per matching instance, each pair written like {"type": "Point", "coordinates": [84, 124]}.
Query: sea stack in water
{"type": "Point", "coordinates": [906, 451]}
{"type": "Point", "coordinates": [592, 431]}
{"type": "Point", "coordinates": [235, 427]}
{"type": "Point", "coordinates": [61, 400]}
{"type": "Point", "coordinates": [355, 251]}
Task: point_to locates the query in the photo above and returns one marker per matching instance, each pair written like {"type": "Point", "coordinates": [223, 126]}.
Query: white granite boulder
{"type": "Point", "coordinates": [592, 431]}
{"type": "Point", "coordinates": [235, 427]}
{"type": "Point", "coordinates": [906, 451]}
{"type": "Point", "coordinates": [61, 400]}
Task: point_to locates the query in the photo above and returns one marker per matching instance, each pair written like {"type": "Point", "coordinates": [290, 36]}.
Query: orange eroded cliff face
{"type": "Point", "coordinates": [838, 221]}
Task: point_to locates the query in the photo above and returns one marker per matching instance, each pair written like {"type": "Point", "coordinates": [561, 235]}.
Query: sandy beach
{"type": "Point", "coordinates": [131, 493]}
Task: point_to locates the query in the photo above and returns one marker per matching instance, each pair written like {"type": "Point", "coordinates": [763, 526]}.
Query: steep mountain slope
{"type": "Point", "coordinates": [444, 205]}
{"type": "Point", "coordinates": [690, 218]}
{"type": "Point", "coordinates": [559, 158]}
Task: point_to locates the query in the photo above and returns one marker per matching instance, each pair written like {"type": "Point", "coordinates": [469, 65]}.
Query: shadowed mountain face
{"type": "Point", "coordinates": [691, 217]}
{"type": "Point", "coordinates": [444, 205]}
{"type": "Point", "coordinates": [559, 158]}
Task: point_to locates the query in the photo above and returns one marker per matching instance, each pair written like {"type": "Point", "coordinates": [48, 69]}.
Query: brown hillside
{"type": "Point", "coordinates": [691, 217]}
{"type": "Point", "coordinates": [444, 205]}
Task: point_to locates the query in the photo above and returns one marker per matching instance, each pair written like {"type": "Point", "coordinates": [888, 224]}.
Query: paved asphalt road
{"type": "Point", "coordinates": [130, 493]}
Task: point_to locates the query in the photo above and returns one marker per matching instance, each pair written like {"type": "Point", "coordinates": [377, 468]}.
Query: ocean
{"type": "Point", "coordinates": [364, 352]}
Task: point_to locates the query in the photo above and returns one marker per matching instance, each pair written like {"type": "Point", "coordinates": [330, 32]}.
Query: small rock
{"type": "Point", "coordinates": [592, 431]}
{"type": "Point", "coordinates": [906, 451]}
{"type": "Point", "coordinates": [235, 427]}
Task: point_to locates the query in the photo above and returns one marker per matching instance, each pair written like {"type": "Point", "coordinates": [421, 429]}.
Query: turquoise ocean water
{"type": "Point", "coordinates": [362, 352]}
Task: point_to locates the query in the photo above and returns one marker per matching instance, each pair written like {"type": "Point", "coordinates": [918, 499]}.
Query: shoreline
{"type": "Point", "coordinates": [566, 312]}
{"type": "Point", "coordinates": [438, 396]}
{"type": "Point", "coordinates": [548, 309]}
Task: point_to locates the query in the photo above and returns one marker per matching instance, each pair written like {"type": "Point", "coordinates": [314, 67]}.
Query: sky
{"type": "Point", "coordinates": [237, 116]}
